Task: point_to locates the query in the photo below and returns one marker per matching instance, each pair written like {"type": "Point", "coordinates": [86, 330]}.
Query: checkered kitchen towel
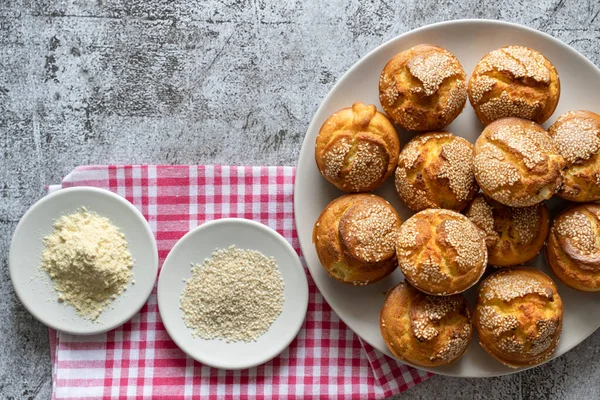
{"type": "Point", "coordinates": [139, 360]}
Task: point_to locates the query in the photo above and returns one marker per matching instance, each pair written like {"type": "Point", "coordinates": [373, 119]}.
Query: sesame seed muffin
{"type": "Point", "coordinates": [357, 148]}
{"type": "Point", "coordinates": [513, 235]}
{"type": "Point", "coordinates": [516, 162]}
{"type": "Point", "coordinates": [423, 88]}
{"type": "Point", "coordinates": [576, 136]}
{"type": "Point", "coordinates": [573, 249]}
{"type": "Point", "coordinates": [514, 81]}
{"type": "Point", "coordinates": [441, 252]}
{"type": "Point", "coordinates": [355, 238]}
{"type": "Point", "coordinates": [518, 316]}
{"type": "Point", "coordinates": [425, 330]}
{"type": "Point", "coordinates": [435, 170]}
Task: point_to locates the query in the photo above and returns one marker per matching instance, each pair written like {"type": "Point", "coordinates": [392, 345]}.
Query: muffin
{"type": "Point", "coordinates": [576, 136]}
{"type": "Point", "coordinates": [514, 81]}
{"type": "Point", "coordinates": [357, 148]}
{"type": "Point", "coordinates": [518, 316]}
{"type": "Point", "coordinates": [425, 330]}
{"type": "Point", "coordinates": [513, 235]}
{"type": "Point", "coordinates": [516, 162]}
{"type": "Point", "coordinates": [441, 252]}
{"type": "Point", "coordinates": [355, 238]}
{"type": "Point", "coordinates": [435, 170]}
{"type": "Point", "coordinates": [423, 88]}
{"type": "Point", "coordinates": [573, 249]}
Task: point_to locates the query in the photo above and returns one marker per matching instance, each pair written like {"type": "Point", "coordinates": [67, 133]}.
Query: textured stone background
{"type": "Point", "coordinates": [215, 81]}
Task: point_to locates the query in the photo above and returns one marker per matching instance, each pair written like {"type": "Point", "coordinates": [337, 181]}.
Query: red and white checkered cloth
{"type": "Point", "coordinates": [139, 359]}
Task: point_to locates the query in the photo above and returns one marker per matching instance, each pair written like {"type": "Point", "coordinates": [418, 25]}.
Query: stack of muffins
{"type": "Point", "coordinates": [499, 184]}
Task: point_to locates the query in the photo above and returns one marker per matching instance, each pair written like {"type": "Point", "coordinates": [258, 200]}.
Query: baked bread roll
{"type": "Point", "coordinates": [355, 238]}
{"type": "Point", "coordinates": [516, 162]}
{"type": "Point", "coordinates": [357, 148]}
{"type": "Point", "coordinates": [435, 170]}
{"type": "Point", "coordinates": [423, 88]}
{"type": "Point", "coordinates": [518, 316]}
{"type": "Point", "coordinates": [441, 252]}
{"type": "Point", "coordinates": [425, 330]}
{"type": "Point", "coordinates": [514, 81]}
{"type": "Point", "coordinates": [576, 136]}
{"type": "Point", "coordinates": [513, 235]}
{"type": "Point", "coordinates": [573, 249]}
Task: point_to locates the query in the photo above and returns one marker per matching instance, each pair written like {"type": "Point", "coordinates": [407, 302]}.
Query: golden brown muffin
{"type": "Point", "coordinates": [573, 249]}
{"type": "Point", "coordinates": [441, 252]}
{"type": "Point", "coordinates": [423, 88]}
{"type": "Point", "coordinates": [516, 162]}
{"type": "Point", "coordinates": [357, 148]}
{"type": "Point", "coordinates": [355, 238]}
{"type": "Point", "coordinates": [576, 136]}
{"type": "Point", "coordinates": [518, 316]}
{"type": "Point", "coordinates": [435, 170]}
{"type": "Point", "coordinates": [425, 330]}
{"type": "Point", "coordinates": [514, 81]}
{"type": "Point", "coordinates": [513, 235]}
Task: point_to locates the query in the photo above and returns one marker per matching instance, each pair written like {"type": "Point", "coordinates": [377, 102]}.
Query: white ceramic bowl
{"type": "Point", "coordinates": [34, 288]}
{"type": "Point", "coordinates": [469, 40]}
{"type": "Point", "coordinates": [199, 244]}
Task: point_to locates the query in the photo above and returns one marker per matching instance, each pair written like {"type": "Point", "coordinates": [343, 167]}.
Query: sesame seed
{"type": "Point", "coordinates": [465, 238]}
{"type": "Point", "coordinates": [482, 215]}
{"type": "Point", "coordinates": [576, 135]}
{"type": "Point", "coordinates": [223, 300]}
{"type": "Point", "coordinates": [458, 168]}
{"type": "Point", "coordinates": [491, 169]}
{"type": "Point", "coordinates": [508, 71]}
{"type": "Point", "coordinates": [506, 286]}
{"type": "Point", "coordinates": [432, 68]}
{"type": "Point", "coordinates": [375, 229]}
{"type": "Point", "coordinates": [577, 228]}
{"type": "Point", "coordinates": [516, 139]}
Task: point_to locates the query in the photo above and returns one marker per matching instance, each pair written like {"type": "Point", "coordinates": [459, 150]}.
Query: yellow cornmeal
{"type": "Point", "coordinates": [88, 260]}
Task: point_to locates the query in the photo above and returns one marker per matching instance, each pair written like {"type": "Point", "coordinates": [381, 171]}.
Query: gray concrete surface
{"type": "Point", "coordinates": [215, 81]}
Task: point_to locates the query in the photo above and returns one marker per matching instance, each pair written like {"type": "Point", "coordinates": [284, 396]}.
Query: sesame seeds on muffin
{"type": "Point", "coordinates": [423, 88]}
{"type": "Point", "coordinates": [514, 81]}
{"type": "Point", "coordinates": [516, 163]}
{"type": "Point", "coordinates": [435, 170]}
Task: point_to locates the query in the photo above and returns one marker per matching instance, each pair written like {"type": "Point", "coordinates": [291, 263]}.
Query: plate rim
{"type": "Point", "coordinates": [279, 239]}
{"type": "Point", "coordinates": [313, 125]}
{"type": "Point", "coordinates": [66, 192]}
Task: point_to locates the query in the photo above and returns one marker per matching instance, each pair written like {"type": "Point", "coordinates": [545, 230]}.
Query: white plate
{"type": "Point", "coordinates": [199, 244]}
{"type": "Point", "coordinates": [469, 40]}
{"type": "Point", "coordinates": [34, 288]}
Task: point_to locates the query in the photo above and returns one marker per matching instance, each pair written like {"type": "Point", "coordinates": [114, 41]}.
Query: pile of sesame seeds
{"type": "Point", "coordinates": [234, 295]}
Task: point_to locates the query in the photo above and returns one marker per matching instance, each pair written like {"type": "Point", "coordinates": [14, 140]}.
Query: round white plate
{"type": "Point", "coordinates": [199, 244]}
{"type": "Point", "coordinates": [469, 40]}
{"type": "Point", "coordinates": [34, 287]}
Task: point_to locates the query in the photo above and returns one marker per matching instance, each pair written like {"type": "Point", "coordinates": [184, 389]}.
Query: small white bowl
{"type": "Point", "coordinates": [199, 244]}
{"type": "Point", "coordinates": [34, 287]}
